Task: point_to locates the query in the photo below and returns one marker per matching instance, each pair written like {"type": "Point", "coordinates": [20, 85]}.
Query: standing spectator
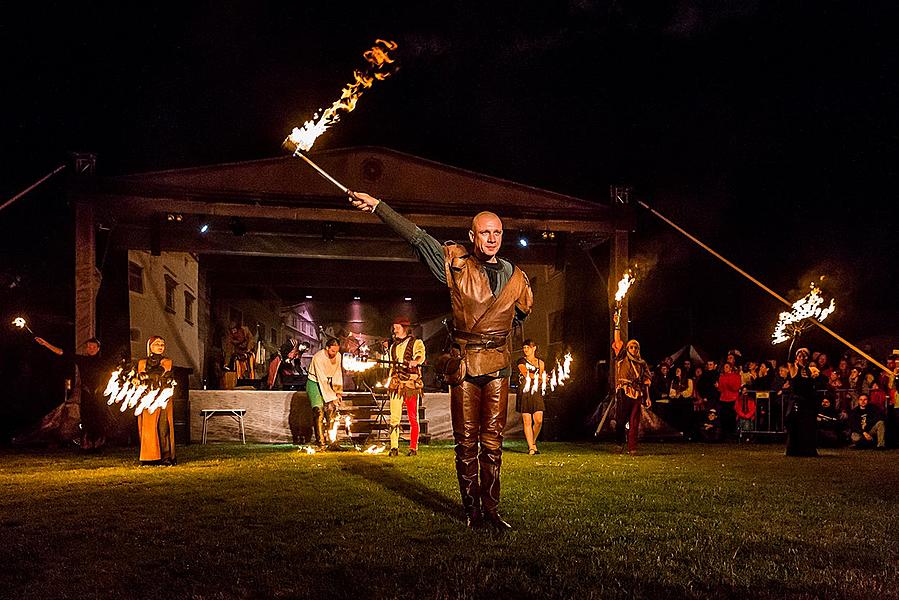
{"type": "Point", "coordinates": [729, 384]}
{"type": "Point", "coordinates": [824, 366]}
{"type": "Point", "coordinates": [765, 378]}
{"type": "Point", "coordinates": [868, 426]}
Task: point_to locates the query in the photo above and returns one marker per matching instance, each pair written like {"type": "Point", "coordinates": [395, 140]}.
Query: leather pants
{"type": "Point", "coordinates": [318, 425]}
{"type": "Point", "coordinates": [478, 408]}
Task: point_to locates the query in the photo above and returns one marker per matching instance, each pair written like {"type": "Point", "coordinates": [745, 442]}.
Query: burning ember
{"type": "Point", "coordinates": [557, 377]}
{"type": "Point", "coordinates": [790, 324]}
{"type": "Point", "coordinates": [378, 68]}
{"type": "Point", "coordinates": [353, 364]}
{"type": "Point", "coordinates": [128, 390]}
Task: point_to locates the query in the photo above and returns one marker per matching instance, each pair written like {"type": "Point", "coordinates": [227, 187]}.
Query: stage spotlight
{"type": "Point", "coordinates": [308, 297]}
{"type": "Point", "coordinates": [523, 242]}
{"type": "Point", "coordinates": [408, 298]}
{"type": "Point", "coordinates": [357, 297]}
{"type": "Point", "coordinates": [204, 227]}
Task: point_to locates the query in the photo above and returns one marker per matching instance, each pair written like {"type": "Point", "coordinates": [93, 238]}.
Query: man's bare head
{"type": "Point", "coordinates": [487, 235]}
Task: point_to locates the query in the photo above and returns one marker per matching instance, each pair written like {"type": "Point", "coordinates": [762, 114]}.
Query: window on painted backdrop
{"type": "Point", "coordinates": [189, 301]}
{"type": "Point", "coordinates": [135, 278]}
{"type": "Point", "coordinates": [170, 286]}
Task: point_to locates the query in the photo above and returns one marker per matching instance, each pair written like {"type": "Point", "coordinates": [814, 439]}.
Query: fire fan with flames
{"type": "Point", "coordinates": [557, 377]}
{"type": "Point", "coordinates": [792, 324]}
{"type": "Point", "coordinates": [134, 390]}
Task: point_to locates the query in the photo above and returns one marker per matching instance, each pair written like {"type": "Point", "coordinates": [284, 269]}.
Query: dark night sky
{"type": "Point", "coordinates": [769, 129]}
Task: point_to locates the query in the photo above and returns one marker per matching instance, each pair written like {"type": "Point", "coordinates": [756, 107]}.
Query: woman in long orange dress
{"type": "Point", "coordinates": [156, 429]}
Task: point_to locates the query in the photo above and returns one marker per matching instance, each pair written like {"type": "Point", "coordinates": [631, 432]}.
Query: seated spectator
{"type": "Point", "coordinates": [867, 382]}
{"type": "Point", "coordinates": [661, 384]}
{"type": "Point", "coordinates": [681, 384]}
{"type": "Point", "coordinates": [868, 427]}
{"type": "Point", "coordinates": [833, 425]}
{"type": "Point", "coordinates": [711, 428]}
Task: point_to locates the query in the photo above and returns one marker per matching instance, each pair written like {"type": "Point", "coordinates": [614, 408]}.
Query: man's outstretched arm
{"type": "Point", "coordinates": [428, 249]}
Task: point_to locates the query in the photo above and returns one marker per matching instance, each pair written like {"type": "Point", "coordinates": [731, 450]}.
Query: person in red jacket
{"type": "Point", "coordinates": [729, 384]}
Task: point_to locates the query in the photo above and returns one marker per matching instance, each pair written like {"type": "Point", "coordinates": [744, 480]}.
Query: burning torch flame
{"type": "Point", "coordinates": [22, 324]}
{"type": "Point", "coordinates": [353, 364]}
{"type": "Point", "coordinates": [624, 285]}
{"type": "Point", "coordinates": [807, 307]}
{"type": "Point", "coordinates": [378, 69]}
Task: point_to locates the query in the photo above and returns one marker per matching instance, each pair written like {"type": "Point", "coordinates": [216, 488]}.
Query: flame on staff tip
{"type": "Point", "coordinates": [379, 61]}
{"type": "Point", "coordinates": [353, 364]}
{"type": "Point", "coordinates": [21, 323]}
{"type": "Point", "coordinates": [624, 285]}
{"type": "Point", "coordinates": [794, 322]}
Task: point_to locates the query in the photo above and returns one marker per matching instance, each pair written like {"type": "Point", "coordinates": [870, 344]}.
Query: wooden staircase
{"type": "Point", "coordinates": [370, 414]}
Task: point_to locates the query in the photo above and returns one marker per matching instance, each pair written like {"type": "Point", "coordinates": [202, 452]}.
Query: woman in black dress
{"type": "Point", "coordinates": [802, 411]}
{"type": "Point", "coordinates": [529, 402]}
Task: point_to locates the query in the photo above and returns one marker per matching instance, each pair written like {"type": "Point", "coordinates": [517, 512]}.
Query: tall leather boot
{"type": "Point", "coordinates": [469, 488]}
{"type": "Point", "coordinates": [318, 426]}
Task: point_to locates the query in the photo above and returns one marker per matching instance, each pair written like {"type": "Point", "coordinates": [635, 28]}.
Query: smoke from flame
{"type": "Point", "coordinates": [378, 69]}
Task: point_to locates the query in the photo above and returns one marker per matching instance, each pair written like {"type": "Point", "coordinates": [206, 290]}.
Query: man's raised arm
{"type": "Point", "coordinates": [428, 249]}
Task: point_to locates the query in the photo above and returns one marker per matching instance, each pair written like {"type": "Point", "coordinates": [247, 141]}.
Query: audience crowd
{"type": "Point", "coordinates": [737, 398]}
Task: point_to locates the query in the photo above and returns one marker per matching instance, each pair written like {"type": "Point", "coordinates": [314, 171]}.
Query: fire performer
{"type": "Point", "coordinates": [92, 374]}
{"type": "Point", "coordinates": [406, 354]}
{"type": "Point", "coordinates": [529, 401]}
{"type": "Point", "coordinates": [802, 414]}
{"type": "Point", "coordinates": [488, 294]}
{"type": "Point", "coordinates": [632, 379]}
{"type": "Point", "coordinates": [156, 429]}
{"type": "Point", "coordinates": [324, 386]}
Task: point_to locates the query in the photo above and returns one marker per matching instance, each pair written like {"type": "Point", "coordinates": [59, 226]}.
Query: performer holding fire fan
{"type": "Point", "coordinates": [406, 355]}
{"type": "Point", "coordinates": [488, 294]}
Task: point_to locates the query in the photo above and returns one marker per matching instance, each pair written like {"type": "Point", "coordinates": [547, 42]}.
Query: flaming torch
{"type": "Point", "coordinates": [354, 364]}
{"type": "Point", "coordinates": [301, 140]}
{"type": "Point", "coordinates": [792, 324]}
{"type": "Point", "coordinates": [21, 323]}
{"type": "Point", "coordinates": [623, 286]}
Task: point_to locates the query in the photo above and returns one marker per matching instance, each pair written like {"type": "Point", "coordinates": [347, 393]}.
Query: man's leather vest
{"type": "Point", "coordinates": [482, 323]}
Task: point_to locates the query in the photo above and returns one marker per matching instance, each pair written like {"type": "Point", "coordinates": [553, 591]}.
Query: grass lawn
{"type": "Point", "coordinates": [255, 521]}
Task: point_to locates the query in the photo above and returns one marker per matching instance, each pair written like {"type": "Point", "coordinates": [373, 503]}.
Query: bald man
{"type": "Point", "coordinates": [488, 295]}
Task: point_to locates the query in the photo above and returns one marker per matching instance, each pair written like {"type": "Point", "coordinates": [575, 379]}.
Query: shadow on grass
{"type": "Point", "coordinates": [390, 479]}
